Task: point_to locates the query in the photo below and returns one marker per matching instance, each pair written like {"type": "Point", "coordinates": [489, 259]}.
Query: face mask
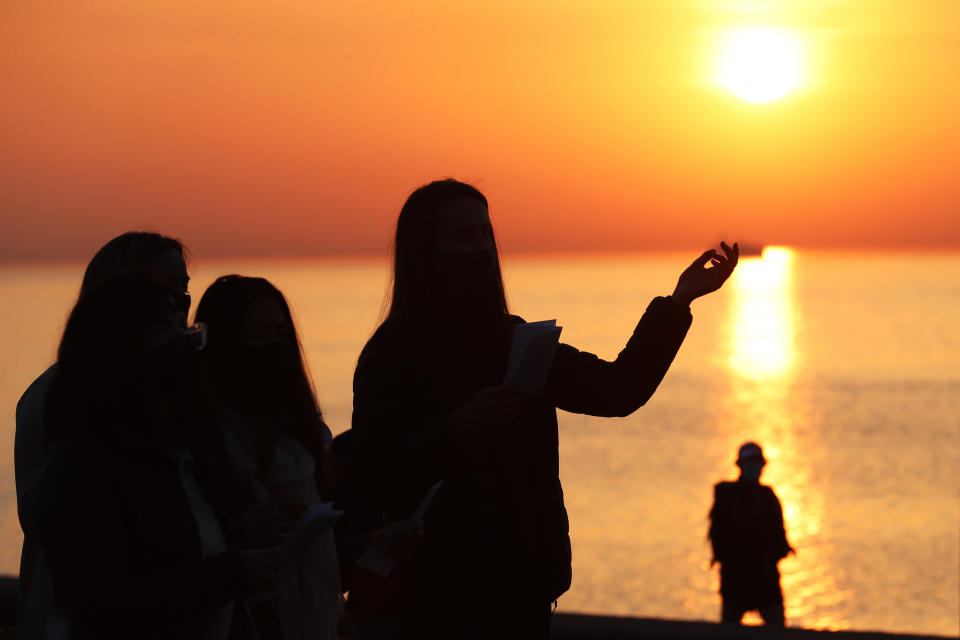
{"type": "Point", "coordinates": [462, 275]}
{"type": "Point", "coordinates": [268, 365]}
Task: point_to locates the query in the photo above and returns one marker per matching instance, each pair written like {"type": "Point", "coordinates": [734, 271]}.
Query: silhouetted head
{"type": "Point", "coordinates": [254, 356]}
{"type": "Point", "coordinates": [162, 255]}
{"type": "Point", "coordinates": [751, 461]}
{"type": "Point", "coordinates": [124, 357]}
{"type": "Point", "coordinates": [445, 254]}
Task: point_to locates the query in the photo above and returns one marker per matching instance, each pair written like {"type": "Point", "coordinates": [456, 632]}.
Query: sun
{"type": "Point", "coordinates": [759, 64]}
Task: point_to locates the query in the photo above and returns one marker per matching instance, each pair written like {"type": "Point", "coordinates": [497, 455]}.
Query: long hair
{"type": "Point", "coordinates": [222, 308]}
{"type": "Point", "coordinates": [103, 378]}
{"type": "Point", "coordinates": [414, 256]}
{"type": "Point", "coordinates": [126, 252]}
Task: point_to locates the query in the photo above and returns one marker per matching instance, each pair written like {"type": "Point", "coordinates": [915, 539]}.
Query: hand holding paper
{"type": "Point", "coordinates": [314, 522]}
{"type": "Point", "coordinates": [380, 555]}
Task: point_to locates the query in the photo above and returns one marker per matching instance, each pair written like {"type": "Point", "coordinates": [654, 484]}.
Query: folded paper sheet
{"type": "Point", "coordinates": [379, 556]}
{"type": "Point", "coordinates": [531, 355]}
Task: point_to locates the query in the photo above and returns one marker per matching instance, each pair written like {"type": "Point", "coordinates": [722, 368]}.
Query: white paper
{"type": "Point", "coordinates": [531, 355]}
{"type": "Point", "coordinates": [377, 558]}
{"type": "Point", "coordinates": [379, 555]}
{"type": "Point", "coordinates": [314, 522]}
{"type": "Point", "coordinates": [425, 503]}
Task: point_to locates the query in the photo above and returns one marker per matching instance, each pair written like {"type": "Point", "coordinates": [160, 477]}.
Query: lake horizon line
{"type": "Point", "coordinates": [508, 255]}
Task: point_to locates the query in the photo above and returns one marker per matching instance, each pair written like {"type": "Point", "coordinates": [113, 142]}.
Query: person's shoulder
{"type": "Point", "coordinates": [33, 398]}
{"type": "Point", "coordinates": [389, 333]}
{"type": "Point", "coordinates": [768, 492]}
{"type": "Point", "coordinates": [392, 344]}
{"type": "Point", "coordinates": [724, 488]}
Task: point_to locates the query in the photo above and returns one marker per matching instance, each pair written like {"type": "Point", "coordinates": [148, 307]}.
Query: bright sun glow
{"type": "Point", "coordinates": [760, 64]}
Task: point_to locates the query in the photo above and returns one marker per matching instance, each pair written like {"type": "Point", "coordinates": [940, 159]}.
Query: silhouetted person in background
{"type": "Point", "coordinates": [164, 257]}
{"type": "Point", "coordinates": [430, 404]}
{"type": "Point", "coordinates": [128, 510]}
{"type": "Point", "coordinates": [272, 440]}
{"type": "Point", "coordinates": [749, 539]}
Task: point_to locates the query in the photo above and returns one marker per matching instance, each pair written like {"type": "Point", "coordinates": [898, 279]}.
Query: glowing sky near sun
{"type": "Point", "coordinates": [297, 127]}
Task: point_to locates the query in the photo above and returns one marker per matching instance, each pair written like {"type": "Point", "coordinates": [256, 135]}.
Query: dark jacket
{"type": "Point", "coordinates": [497, 531]}
{"type": "Point", "coordinates": [748, 539]}
{"type": "Point", "coordinates": [123, 546]}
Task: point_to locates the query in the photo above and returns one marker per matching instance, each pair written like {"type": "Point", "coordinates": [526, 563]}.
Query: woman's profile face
{"type": "Point", "coordinates": [171, 269]}
{"type": "Point", "coordinates": [463, 226]}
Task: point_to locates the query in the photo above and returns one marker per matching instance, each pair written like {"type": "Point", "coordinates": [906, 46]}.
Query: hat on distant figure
{"type": "Point", "coordinates": [750, 451]}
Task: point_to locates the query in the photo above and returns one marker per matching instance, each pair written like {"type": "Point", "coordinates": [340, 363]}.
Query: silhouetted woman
{"type": "Point", "coordinates": [164, 257]}
{"type": "Point", "coordinates": [272, 439]}
{"type": "Point", "coordinates": [430, 404]}
{"type": "Point", "coordinates": [127, 507]}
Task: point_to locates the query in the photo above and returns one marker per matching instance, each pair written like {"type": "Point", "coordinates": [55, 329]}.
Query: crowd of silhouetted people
{"type": "Point", "coordinates": [162, 461]}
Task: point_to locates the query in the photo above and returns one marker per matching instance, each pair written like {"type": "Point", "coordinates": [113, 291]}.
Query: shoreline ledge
{"type": "Point", "coordinates": [578, 626]}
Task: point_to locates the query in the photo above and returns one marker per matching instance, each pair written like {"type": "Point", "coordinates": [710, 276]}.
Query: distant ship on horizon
{"type": "Point", "coordinates": [750, 249]}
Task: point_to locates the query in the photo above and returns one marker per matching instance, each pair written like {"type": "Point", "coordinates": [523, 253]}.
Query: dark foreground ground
{"type": "Point", "coordinates": [571, 626]}
{"type": "Point", "coordinates": [574, 626]}
{"type": "Point", "coordinates": [582, 627]}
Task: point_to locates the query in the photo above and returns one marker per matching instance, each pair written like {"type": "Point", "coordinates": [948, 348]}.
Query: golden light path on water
{"type": "Point", "coordinates": [762, 323]}
{"type": "Point", "coordinates": [766, 406]}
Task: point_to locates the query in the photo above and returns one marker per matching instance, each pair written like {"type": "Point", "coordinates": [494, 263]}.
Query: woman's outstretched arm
{"type": "Point", "coordinates": [581, 382]}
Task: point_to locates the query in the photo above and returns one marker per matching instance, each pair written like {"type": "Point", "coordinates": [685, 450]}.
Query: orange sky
{"type": "Point", "coordinates": [298, 127]}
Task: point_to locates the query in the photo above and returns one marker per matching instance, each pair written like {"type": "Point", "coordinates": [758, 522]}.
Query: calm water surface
{"type": "Point", "coordinates": [844, 367]}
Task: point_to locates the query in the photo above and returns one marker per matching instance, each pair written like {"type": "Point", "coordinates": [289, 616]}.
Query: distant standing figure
{"type": "Point", "coordinates": [749, 539]}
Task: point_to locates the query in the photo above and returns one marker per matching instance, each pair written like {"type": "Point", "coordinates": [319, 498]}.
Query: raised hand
{"type": "Point", "coordinates": [699, 279]}
{"type": "Point", "coordinates": [402, 537]}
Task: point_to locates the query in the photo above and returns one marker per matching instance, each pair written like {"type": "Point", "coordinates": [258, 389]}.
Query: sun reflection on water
{"type": "Point", "coordinates": [764, 405]}
{"type": "Point", "coordinates": [762, 323]}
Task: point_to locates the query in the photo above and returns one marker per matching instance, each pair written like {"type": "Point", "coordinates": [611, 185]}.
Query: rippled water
{"type": "Point", "coordinates": [843, 366]}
